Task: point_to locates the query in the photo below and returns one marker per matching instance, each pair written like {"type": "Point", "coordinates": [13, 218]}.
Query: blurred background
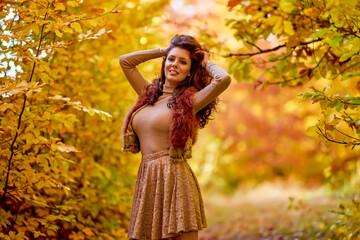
{"type": "Point", "coordinates": [279, 160]}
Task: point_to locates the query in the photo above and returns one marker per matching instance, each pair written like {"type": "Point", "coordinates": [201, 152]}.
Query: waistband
{"type": "Point", "coordinates": [154, 155]}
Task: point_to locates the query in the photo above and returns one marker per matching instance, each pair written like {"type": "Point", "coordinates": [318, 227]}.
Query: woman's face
{"type": "Point", "coordinates": [177, 66]}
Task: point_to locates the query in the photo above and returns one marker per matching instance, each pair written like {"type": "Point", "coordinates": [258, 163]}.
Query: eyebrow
{"type": "Point", "coordinates": [180, 57]}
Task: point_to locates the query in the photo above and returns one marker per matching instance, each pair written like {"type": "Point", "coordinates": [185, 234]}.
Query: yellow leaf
{"type": "Point", "coordinates": [312, 131]}
{"type": "Point", "coordinates": [77, 236]}
{"type": "Point", "coordinates": [66, 190]}
{"type": "Point", "coordinates": [41, 184]}
{"type": "Point", "coordinates": [272, 20]}
{"type": "Point", "coordinates": [91, 112]}
{"type": "Point", "coordinates": [88, 231]}
{"type": "Point", "coordinates": [287, 6]}
{"type": "Point", "coordinates": [5, 38]}
{"type": "Point", "coordinates": [257, 16]}
{"type": "Point", "coordinates": [35, 28]}
{"type": "Point", "coordinates": [100, 32]}
{"type": "Point", "coordinates": [93, 22]}
{"type": "Point", "coordinates": [67, 29]}
{"type": "Point", "coordinates": [43, 67]}
{"type": "Point", "coordinates": [350, 3]}
{"type": "Point", "coordinates": [338, 17]}
{"type": "Point", "coordinates": [37, 234]}
{"type": "Point", "coordinates": [20, 236]}
{"type": "Point", "coordinates": [72, 4]}
{"type": "Point", "coordinates": [59, 6]}
{"type": "Point", "coordinates": [288, 28]}
{"type": "Point", "coordinates": [67, 148]}
{"type": "Point", "coordinates": [50, 129]}
{"type": "Point", "coordinates": [36, 132]}
{"type": "Point", "coordinates": [76, 26]}
{"type": "Point", "coordinates": [46, 115]}
{"type": "Point", "coordinates": [58, 33]}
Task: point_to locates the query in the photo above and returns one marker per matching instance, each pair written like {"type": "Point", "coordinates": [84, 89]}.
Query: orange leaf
{"type": "Point", "coordinates": [233, 3]}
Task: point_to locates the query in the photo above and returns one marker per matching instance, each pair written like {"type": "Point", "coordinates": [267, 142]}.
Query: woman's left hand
{"type": "Point", "coordinates": [205, 56]}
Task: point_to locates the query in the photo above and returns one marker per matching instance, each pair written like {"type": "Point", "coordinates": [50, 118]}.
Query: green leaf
{"type": "Point", "coordinates": [229, 22]}
{"type": "Point", "coordinates": [281, 66]}
{"type": "Point", "coordinates": [323, 104]}
{"type": "Point", "coordinates": [335, 41]}
{"type": "Point", "coordinates": [234, 65]}
{"type": "Point", "coordinates": [346, 56]}
{"type": "Point", "coordinates": [305, 96]}
{"type": "Point", "coordinates": [339, 106]}
{"type": "Point", "coordinates": [314, 89]}
{"type": "Point", "coordinates": [350, 75]}
{"type": "Point", "coordinates": [319, 33]}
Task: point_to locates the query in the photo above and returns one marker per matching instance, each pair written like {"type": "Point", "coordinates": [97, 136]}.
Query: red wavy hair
{"type": "Point", "coordinates": [199, 78]}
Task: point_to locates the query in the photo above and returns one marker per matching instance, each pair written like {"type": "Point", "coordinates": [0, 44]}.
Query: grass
{"type": "Point", "coordinates": [269, 211]}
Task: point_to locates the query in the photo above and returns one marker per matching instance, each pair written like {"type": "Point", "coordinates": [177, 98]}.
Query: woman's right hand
{"type": "Point", "coordinates": [164, 50]}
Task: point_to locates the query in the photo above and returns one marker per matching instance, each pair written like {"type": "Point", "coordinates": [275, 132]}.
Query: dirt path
{"type": "Point", "coordinates": [271, 211]}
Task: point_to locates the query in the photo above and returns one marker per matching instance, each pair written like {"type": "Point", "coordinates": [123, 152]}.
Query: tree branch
{"type": "Point", "coordinates": [96, 16]}
{"type": "Point", "coordinates": [5, 141]}
{"type": "Point", "coordinates": [254, 45]}
{"type": "Point", "coordinates": [334, 141]}
{"type": "Point", "coordinates": [268, 50]}
{"type": "Point", "coordinates": [19, 120]}
{"type": "Point", "coordinates": [357, 139]}
{"type": "Point", "coordinates": [12, 150]}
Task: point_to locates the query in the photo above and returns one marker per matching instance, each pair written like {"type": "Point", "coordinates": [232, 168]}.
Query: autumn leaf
{"type": "Point", "coordinates": [58, 33]}
{"type": "Point", "coordinates": [59, 6]}
{"type": "Point", "coordinates": [76, 26]}
{"type": "Point", "coordinates": [233, 3]}
{"type": "Point", "coordinates": [72, 3]}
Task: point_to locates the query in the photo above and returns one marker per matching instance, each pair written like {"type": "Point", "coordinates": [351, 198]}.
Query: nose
{"type": "Point", "coordinates": [174, 63]}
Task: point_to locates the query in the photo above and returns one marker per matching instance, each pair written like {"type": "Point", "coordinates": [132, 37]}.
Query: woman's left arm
{"type": "Point", "coordinates": [221, 81]}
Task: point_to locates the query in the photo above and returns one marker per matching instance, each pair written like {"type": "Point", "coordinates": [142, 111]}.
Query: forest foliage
{"type": "Point", "coordinates": [62, 100]}
{"type": "Point", "coordinates": [314, 44]}
{"type": "Point", "coordinates": [63, 97]}
{"type": "Point", "coordinates": [311, 40]}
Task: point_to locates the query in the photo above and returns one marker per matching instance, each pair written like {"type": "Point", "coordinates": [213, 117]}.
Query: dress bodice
{"type": "Point", "coordinates": [152, 124]}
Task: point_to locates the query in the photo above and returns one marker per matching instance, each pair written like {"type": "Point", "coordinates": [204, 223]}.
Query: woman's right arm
{"type": "Point", "coordinates": [129, 62]}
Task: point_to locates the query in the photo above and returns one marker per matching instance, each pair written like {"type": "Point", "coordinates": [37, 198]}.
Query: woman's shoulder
{"type": "Point", "coordinates": [191, 90]}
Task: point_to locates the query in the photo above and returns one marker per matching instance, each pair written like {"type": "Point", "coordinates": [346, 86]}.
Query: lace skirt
{"type": "Point", "coordinates": [167, 199]}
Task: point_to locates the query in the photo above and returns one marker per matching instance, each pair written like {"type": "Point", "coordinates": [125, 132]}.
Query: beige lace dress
{"type": "Point", "coordinates": [167, 199]}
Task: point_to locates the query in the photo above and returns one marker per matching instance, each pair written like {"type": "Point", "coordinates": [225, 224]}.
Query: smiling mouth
{"type": "Point", "coordinates": [173, 71]}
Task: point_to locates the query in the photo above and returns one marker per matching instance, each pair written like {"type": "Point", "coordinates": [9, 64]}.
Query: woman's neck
{"type": "Point", "coordinates": [168, 88]}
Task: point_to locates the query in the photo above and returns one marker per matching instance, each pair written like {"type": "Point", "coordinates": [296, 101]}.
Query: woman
{"type": "Point", "coordinates": [163, 125]}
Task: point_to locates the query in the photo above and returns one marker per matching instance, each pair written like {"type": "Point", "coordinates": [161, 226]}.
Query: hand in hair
{"type": "Point", "coordinates": [204, 55]}
{"type": "Point", "coordinates": [164, 50]}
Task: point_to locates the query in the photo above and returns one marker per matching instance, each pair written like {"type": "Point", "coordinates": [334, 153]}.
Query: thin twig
{"type": "Point", "coordinates": [5, 141]}
{"type": "Point", "coordinates": [83, 19]}
{"type": "Point", "coordinates": [347, 134]}
{"type": "Point", "coordinates": [268, 50]}
{"type": "Point", "coordinates": [330, 140]}
{"type": "Point", "coordinates": [254, 45]}
{"type": "Point", "coordinates": [334, 141]}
